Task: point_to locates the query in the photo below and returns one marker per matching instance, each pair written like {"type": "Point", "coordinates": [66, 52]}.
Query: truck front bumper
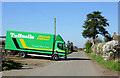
{"type": "Point", "coordinates": [63, 57]}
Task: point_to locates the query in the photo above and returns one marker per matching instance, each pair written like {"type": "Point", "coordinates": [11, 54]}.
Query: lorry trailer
{"type": "Point", "coordinates": [32, 43]}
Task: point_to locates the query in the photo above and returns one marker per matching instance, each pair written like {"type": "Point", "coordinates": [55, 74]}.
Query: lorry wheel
{"type": "Point", "coordinates": [22, 54]}
{"type": "Point", "coordinates": [55, 57]}
{"type": "Point", "coordinates": [65, 57]}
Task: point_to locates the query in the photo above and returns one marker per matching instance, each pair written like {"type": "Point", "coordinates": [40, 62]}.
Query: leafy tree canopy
{"type": "Point", "coordinates": [95, 24]}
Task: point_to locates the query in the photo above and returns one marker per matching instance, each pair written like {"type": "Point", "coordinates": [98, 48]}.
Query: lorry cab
{"type": "Point", "coordinates": [60, 46]}
{"type": "Point", "coordinates": [59, 50]}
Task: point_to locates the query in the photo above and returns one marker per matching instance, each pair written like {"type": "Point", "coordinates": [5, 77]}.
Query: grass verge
{"type": "Point", "coordinates": [112, 65]}
{"type": "Point", "coordinates": [8, 65]}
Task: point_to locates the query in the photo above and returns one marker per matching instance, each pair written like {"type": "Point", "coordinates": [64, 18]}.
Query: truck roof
{"type": "Point", "coordinates": [30, 32]}
{"type": "Point", "coordinates": [59, 38]}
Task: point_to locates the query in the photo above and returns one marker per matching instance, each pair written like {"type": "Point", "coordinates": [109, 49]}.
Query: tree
{"type": "Point", "coordinates": [68, 45]}
{"type": "Point", "coordinates": [94, 25]}
{"type": "Point", "coordinates": [71, 44]}
{"type": "Point", "coordinates": [108, 38]}
{"type": "Point", "coordinates": [88, 46]}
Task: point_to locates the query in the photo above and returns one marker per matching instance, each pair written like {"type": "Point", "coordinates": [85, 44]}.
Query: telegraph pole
{"type": "Point", "coordinates": [54, 34]}
{"type": "Point", "coordinates": [55, 26]}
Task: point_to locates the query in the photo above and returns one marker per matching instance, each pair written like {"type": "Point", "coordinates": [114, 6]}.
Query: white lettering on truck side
{"type": "Point", "coordinates": [19, 35]}
{"type": "Point", "coordinates": [12, 34]}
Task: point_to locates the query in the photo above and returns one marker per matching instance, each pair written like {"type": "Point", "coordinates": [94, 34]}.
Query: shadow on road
{"type": "Point", "coordinates": [78, 59]}
{"type": "Point", "coordinates": [47, 58]}
{"type": "Point", "coordinates": [24, 68]}
{"type": "Point", "coordinates": [37, 57]}
{"type": "Point", "coordinates": [75, 51]}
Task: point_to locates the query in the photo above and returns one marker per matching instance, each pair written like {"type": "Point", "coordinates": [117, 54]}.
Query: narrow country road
{"type": "Point", "coordinates": [78, 64]}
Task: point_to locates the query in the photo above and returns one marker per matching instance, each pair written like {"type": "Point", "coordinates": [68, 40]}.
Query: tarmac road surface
{"type": "Point", "coordinates": [77, 64]}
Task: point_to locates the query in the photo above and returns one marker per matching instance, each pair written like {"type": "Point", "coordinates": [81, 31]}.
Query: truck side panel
{"type": "Point", "coordinates": [31, 42]}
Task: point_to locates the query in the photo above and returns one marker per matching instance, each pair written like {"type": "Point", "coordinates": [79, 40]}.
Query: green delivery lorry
{"type": "Point", "coordinates": [31, 43]}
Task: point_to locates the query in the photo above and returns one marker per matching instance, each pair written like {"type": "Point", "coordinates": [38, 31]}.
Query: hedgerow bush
{"type": "Point", "coordinates": [108, 50]}
{"type": "Point", "coordinates": [88, 47]}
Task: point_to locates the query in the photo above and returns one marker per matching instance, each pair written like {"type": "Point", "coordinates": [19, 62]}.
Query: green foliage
{"type": "Point", "coordinates": [68, 51]}
{"type": "Point", "coordinates": [112, 65]}
{"type": "Point", "coordinates": [6, 68]}
{"type": "Point", "coordinates": [108, 38]}
{"type": "Point", "coordinates": [7, 65]}
{"type": "Point", "coordinates": [69, 47]}
{"type": "Point", "coordinates": [95, 24]}
{"type": "Point", "coordinates": [88, 47]}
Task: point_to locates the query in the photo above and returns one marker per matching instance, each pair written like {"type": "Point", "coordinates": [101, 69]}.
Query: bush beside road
{"type": "Point", "coordinates": [107, 50]}
{"type": "Point", "coordinates": [106, 54]}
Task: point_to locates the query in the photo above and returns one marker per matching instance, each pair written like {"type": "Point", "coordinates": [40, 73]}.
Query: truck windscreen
{"type": "Point", "coordinates": [60, 46]}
